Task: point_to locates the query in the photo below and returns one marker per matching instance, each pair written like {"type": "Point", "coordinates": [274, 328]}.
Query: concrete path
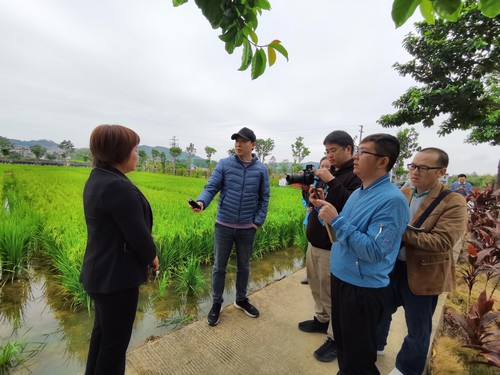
{"type": "Point", "coordinates": [271, 344]}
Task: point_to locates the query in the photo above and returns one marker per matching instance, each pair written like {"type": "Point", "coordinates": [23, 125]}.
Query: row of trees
{"type": "Point", "coordinates": [159, 162]}
{"type": "Point", "coordinates": [65, 150]}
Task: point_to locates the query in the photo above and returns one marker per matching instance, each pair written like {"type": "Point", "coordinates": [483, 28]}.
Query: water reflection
{"type": "Point", "coordinates": [14, 300]}
{"type": "Point", "coordinates": [36, 310]}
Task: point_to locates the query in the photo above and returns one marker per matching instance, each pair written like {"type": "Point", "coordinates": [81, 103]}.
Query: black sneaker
{"type": "Point", "coordinates": [304, 282]}
{"type": "Point", "coordinates": [326, 352]}
{"type": "Point", "coordinates": [247, 307]}
{"type": "Point", "coordinates": [313, 326]}
{"type": "Point", "coordinates": [213, 317]}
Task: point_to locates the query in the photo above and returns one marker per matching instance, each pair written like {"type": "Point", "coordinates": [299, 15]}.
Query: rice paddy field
{"type": "Point", "coordinates": [42, 242]}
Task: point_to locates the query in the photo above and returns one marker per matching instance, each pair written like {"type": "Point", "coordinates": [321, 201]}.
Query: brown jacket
{"type": "Point", "coordinates": [429, 253]}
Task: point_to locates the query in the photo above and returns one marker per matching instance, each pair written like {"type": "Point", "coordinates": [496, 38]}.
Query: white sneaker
{"type": "Point", "coordinates": [381, 352]}
{"type": "Point", "coordinates": [395, 371]}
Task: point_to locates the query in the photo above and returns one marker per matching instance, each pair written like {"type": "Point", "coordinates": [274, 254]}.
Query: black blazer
{"type": "Point", "coordinates": [119, 244]}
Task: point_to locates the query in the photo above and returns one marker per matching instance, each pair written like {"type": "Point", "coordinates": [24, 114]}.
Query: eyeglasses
{"type": "Point", "coordinates": [360, 152]}
{"type": "Point", "coordinates": [421, 168]}
{"type": "Point", "coordinates": [333, 150]}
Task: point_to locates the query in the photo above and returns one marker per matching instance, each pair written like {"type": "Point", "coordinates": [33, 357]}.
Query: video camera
{"type": "Point", "coordinates": [306, 178]}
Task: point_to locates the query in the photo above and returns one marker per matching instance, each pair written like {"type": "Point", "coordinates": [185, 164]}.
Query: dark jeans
{"type": "Point", "coordinates": [224, 238]}
{"type": "Point", "coordinates": [356, 313]}
{"type": "Point", "coordinates": [113, 322]}
{"type": "Point", "coordinates": [419, 310]}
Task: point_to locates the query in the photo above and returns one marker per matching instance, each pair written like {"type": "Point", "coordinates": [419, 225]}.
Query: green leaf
{"type": "Point", "coordinates": [264, 4]}
{"type": "Point", "coordinates": [402, 10]}
{"type": "Point", "coordinates": [272, 55]}
{"type": "Point", "coordinates": [179, 2]}
{"type": "Point", "coordinates": [253, 36]}
{"type": "Point", "coordinates": [448, 9]}
{"type": "Point", "coordinates": [427, 11]}
{"type": "Point", "coordinates": [213, 10]}
{"type": "Point", "coordinates": [230, 46]}
{"type": "Point", "coordinates": [258, 63]}
{"type": "Point", "coordinates": [229, 35]}
{"type": "Point", "coordinates": [278, 47]}
{"type": "Point", "coordinates": [246, 57]}
{"type": "Point", "coordinates": [490, 8]}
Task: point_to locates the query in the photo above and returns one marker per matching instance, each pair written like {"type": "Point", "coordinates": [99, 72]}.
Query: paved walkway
{"type": "Point", "coordinates": [269, 345]}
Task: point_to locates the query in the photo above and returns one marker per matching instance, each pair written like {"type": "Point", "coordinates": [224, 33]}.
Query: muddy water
{"type": "Point", "coordinates": [34, 310]}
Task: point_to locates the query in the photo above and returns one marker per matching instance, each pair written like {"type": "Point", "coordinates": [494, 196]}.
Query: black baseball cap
{"type": "Point", "coordinates": [246, 134]}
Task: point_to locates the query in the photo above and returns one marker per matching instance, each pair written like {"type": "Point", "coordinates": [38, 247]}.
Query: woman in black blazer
{"type": "Point", "coordinates": [120, 251]}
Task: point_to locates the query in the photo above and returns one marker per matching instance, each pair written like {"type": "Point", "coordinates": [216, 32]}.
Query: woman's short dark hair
{"type": "Point", "coordinates": [341, 138]}
{"type": "Point", "coordinates": [111, 145]}
{"type": "Point", "coordinates": [385, 144]}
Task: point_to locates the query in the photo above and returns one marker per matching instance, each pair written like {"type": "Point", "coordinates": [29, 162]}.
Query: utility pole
{"type": "Point", "coordinates": [360, 133]}
{"type": "Point", "coordinates": [173, 141]}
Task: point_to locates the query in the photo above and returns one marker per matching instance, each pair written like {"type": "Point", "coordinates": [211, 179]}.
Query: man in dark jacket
{"type": "Point", "coordinates": [338, 184]}
{"type": "Point", "coordinates": [243, 183]}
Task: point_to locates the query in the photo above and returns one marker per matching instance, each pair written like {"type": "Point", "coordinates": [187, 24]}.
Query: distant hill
{"type": "Point", "coordinates": [49, 145]}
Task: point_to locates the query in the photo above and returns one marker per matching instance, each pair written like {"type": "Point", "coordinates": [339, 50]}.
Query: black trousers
{"type": "Point", "coordinates": [113, 322]}
{"type": "Point", "coordinates": [356, 312]}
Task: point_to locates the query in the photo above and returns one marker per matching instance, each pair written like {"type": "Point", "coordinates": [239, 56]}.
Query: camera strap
{"type": "Point", "coordinates": [431, 208]}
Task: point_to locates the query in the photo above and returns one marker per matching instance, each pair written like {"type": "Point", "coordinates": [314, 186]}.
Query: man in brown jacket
{"type": "Point", "coordinates": [425, 267]}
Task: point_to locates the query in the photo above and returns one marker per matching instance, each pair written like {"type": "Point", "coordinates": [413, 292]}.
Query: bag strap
{"type": "Point", "coordinates": [431, 208]}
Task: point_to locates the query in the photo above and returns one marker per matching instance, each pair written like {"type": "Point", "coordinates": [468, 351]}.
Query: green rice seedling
{"type": "Point", "coordinates": [11, 356]}
{"type": "Point", "coordinates": [16, 232]}
{"type": "Point", "coordinates": [67, 258]}
{"type": "Point", "coordinates": [190, 281]}
{"type": "Point", "coordinates": [178, 321]}
{"type": "Point", "coordinates": [16, 353]}
{"type": "Point", "coordinates": [163, 281]}
{"type": "Point", "coordinates": [300, 240]}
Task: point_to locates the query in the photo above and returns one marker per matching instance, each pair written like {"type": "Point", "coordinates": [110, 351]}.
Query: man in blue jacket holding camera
{"type": "Point", "coordinates": [243, 183]}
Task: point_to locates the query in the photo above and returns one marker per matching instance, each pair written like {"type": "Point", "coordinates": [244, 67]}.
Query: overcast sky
{"type": "Point", "coordinates": [67, 66]}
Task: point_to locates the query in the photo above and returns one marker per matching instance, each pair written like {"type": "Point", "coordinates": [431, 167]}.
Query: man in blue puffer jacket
{"type": "Point", "coordinates": [243, 183]}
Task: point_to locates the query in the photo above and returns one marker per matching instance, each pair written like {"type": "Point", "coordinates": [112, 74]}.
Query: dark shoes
{"type": "Point", "coordinates": [213, 317]}
{"type": "Point", "coordinates": [247, 307]}
{"type": "Point", "coordinates": [313, 326]}
{"type": "Point", "coordinates": [304, 282]}
{"type": "Point", "coordinates": [326, 352]}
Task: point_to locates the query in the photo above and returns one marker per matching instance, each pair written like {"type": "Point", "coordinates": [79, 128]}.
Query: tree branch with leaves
{"type": "Point", "coordinates": [457, 65]}
{"type": "Point", "coordinates": [237, 20]}
{"type": "Point", "coordinates": [263, 148]}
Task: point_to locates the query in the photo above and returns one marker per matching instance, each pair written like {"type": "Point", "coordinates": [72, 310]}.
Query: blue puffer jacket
{"type": "Point", "coordinates": [244, 192]}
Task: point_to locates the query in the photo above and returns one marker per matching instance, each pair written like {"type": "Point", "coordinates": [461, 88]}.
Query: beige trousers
{"type": "Point", "coordinates": [318, 276]}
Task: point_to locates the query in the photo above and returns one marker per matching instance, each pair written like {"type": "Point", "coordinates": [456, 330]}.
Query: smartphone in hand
{"type": "Point", "coordinates": [193, 204]}
{"type": "Point", "coordinates": [316, 193]}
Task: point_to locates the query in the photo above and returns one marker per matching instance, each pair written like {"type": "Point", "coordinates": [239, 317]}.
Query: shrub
{"type": "Point", "coordinates": [479, 321]}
